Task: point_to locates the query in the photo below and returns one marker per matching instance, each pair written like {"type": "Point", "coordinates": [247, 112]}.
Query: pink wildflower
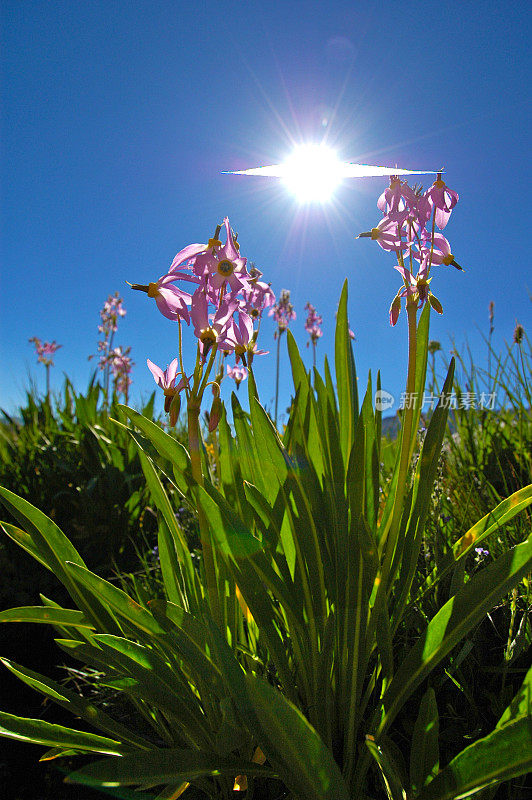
{"type": "Point", "coordinates": [166, 381]}
{"type": "Point", "coordinates": [416, 290]}
{"type": "Point", "coordinates": [443, 200]}
{"type": "Point", "coordinates": [112, 309]}
{"type": "Point", "coordinates": [282, 312]}
{"type": "Point", "coordinates": [45, 350]}
{"type": "Point", "coordinates": [210, 332]}
{"type": "Point", "coordinates": [238, 374]}
{"type": "Point", "coordinates": [388, 232]}
{"type": "Point", "coordinates": [171, 301]}
{"type": "Point", "coordinates": [222, 264]}
{"type": "Point", "coordinates": [441, 252]}
{"type": "Point", "coordinates": [312, 324]}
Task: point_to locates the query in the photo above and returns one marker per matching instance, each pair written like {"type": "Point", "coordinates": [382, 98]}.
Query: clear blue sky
{"type": "Point", "coordinates": [118, 118]}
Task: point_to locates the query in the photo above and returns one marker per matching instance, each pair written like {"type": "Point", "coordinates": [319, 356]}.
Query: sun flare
{"type": "Point", "coordinates": [312, 173]}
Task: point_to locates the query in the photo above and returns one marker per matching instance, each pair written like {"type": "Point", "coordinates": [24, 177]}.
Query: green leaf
{"type": "Point", "coordinates": [52, 548]}
{"type": "Point", "coordinates": [173, 547]}
{"type": "Point", "coordinates": [163, 766]}
{"type": "Point", "coordinates": [27, 542]}
{"type": "Point", "coordinates": [346, 379]}
{"type": "Point", "coordinates": [388, 770]}
{"type": "Point", "coordinates": [167, 446]}
{"type": "Point", "coordinates": [504, 754]}
{"type": "Point", "coordinates": [45, 614]}
{"type": "Point", "coordinates": [37, 731]}
{"type": "Point", "coordinates": [492, 522]}
{"type": "Point", "coordinates": [521, 703]}
{"type": "Point", "coordinates": [295, 750]}
{"type": "Point", "coordinates": [51, 541]}
{"type": "Point", "coordinates": [76, 704]}
{"type": "Point", "coordinates": [116, 598]}
{"type": "Point", "coordinates": [424, 753]}
{"type": "Point", "coordinates": [454, 621]}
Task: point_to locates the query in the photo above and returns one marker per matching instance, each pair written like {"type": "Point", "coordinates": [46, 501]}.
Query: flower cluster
{"type": "Point", "coordinates": [121, 365]}
{"type": "Point", "coordinates": [226, 303]}
{"type": "Point", "coordinates": [282, 312]}
{"type": "Point", "coordinates": [45, 350]}
{"type": "Point", "coordinates": [408, 230]}
{"type": "Point", "coordinates": [312, 324]}
{"type": "Point", "coordinates": [114, 361]}
{"type": "Point", "coordinates": [112, 309]}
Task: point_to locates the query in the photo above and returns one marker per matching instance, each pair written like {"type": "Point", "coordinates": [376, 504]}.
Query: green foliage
{"type": "Point", "coordinates": [323, 640]}
{"type": "Point", "coordinates": [70, 460]}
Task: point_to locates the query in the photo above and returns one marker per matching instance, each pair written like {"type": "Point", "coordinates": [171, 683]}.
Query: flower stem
{"type": "Point", "coordinates": [404, 462]}
{"type": "Point", "coordinates": [48, 383]}
{"type": "Point", "coordinates": [277, 375]}
{"type": "Point", "coordinates": [197, 473]}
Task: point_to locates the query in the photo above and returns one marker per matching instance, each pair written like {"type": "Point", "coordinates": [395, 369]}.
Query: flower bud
{"type": "Point", "coordinates": [215, 414]}
{"type": "Point", "coordinates": [395, 309]}
{"type": "Point", "coordinates": [435, 303]}
{"type": "Point", "coordinates": [175, 407]}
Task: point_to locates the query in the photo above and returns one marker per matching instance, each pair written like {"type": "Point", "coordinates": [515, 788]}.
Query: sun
{"type": "Point", "coordinates": [312, 172]}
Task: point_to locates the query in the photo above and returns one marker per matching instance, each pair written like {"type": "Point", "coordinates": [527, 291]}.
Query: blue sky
{"type": "Point", "coordinates": [119, 117]}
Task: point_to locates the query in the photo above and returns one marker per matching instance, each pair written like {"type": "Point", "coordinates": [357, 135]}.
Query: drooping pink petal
{"type": "Point", "coordinates": [229, 250]}
{"type": "Point", "coordinates": [199, 311]}
{"type": "Point", "coordinates": [171, 372]}
{"type": "Point", "coordinates": [185, 254]}
{"type": "Point", "coordinates": [156, 372]}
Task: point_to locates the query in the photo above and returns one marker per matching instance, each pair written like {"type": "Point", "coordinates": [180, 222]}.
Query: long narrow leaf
{"type": "Point", "coordinates": [504, 754]}
{"type": "Point", "coordinates": [36, 731]}
{"type": "Point", "coordinates": [457, 617]}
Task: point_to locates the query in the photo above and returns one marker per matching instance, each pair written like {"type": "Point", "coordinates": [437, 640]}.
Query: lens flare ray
{"type": "Point", "coordinates": [313, 171]}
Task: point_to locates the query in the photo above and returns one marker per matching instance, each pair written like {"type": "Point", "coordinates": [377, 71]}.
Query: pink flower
{"type": "Point", "coordinates": [171, 301]}
{"type": "Point", "coordinates": [112, 309]}
{"type": "Point", "coordinates": [166, 381]}
{"type": "Point", "coordinates": [45, 350]}
{"type": "Point", "coordinates": [222, 264]}
{"type": "Point", "coordinates": [282, 312]}
{"type": "Point", "coordinates": [388, 232]}
{"type": "Point", "coordinates": [312, 324]}
{"type": "Point", "coordinates": [443, 200]}
{"type": "Point", "coordinates": [415, 290]}
{"type": "Point", "coordinates": [238, 336]}
{"type": "Point", "coordinates": [391, 200]}
{"type": "Point", "coordinates": [210, 333]}
{"type": "Point", "coordinates": [186, 257]}
{"type": "Point", "coordinates": [258, 296]}
{"type": "Point", "coordinates": [441, 252]}
{"type": "Point", "coordinates": [238, 374]}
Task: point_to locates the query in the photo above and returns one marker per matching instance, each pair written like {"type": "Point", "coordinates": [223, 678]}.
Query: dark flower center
{"type": "Point", "coordinates": [226, 267]}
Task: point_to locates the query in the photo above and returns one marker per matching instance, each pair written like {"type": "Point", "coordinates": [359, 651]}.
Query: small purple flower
{"type": "Point", "coordinates": [282, 312]}
{"type": "Point", "coordinates": [45, 350]}
{"type": "Point", "coordinates": [238, 374]}
{"type": "Point", "coordinates": [312, 324]}
{"type": "Point", "coordinates": [443, 200]}
{"type": "Point", "coordinates": [112, 309]}
{"type": "Point", "coordinates": [481, 552]}
{"type": "Point", "coordinates": [166, 381]}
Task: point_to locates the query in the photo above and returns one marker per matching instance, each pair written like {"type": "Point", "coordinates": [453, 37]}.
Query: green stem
{"type": "Point", "coordinates": [48, 383]}
{"type": "Point", "coordinates": [406, 438]}
{"type": "Point", "coordinates": [108, 369]}
{"type": "Point", "coordinates": [197, 473]}
{"type": "Point", "coordinates": [277, 375]}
